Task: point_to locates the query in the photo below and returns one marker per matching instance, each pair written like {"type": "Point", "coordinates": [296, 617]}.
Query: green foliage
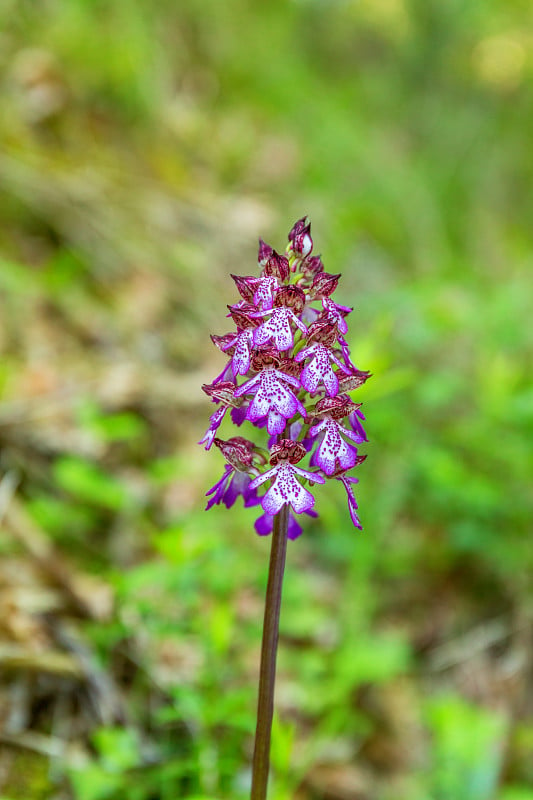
{"type": "Point", "coordinates": [90, 484]}
{"type": "Point", "coordinates": [120, 427]}
{"type": "Point", "coordinates": [468, 749]}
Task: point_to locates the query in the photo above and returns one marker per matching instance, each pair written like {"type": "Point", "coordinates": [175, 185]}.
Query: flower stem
{"type": "Point", "coordinates": [269, 647]}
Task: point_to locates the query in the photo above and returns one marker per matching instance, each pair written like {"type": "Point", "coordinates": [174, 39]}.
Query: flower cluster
{"type": "Point", "coordinates": [290, 351]}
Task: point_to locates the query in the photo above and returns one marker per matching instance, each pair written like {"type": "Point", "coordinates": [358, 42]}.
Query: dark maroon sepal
{"type": "Point", "coordinates": [278, 266]}
{"type": "Point", "coordinates": [324, 285]}
{"type": "Point", "coordinates": [323, 332]}
{"type": "Point", "coordinates": [237, 451]}
{"type": "Point", "coordinates": [264, 253]}
{"type": "Point", "coordinates": [269, 357]}
{"type": "Point", "coordinates": [349, 382]}
{"type": "Point", "coordinates": [291, 297]}
{"type": "Point", "coordinates": [335, 407]}
{"type": "Point", "coordinates": [287, 450]}
{"type": "Point", "coordinates": [224, 342]}
{"type": "Point", "coordinates": [291, 367]}
{"type": "Point", "coordinates": [246, 286]}
{"type": "Point", "coordinates": [242, 314]}
{"type": "Point", "coordinates": [312, 265]}
{"type": "Point", "coordinates": [223, 391]}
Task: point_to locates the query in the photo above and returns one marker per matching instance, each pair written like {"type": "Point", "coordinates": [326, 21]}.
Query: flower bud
{"type": "Point", "coordinates": [300, 239]}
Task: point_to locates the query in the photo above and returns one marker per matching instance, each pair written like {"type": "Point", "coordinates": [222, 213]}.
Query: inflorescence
{"type": "Point", "coordinates": [289, 348]}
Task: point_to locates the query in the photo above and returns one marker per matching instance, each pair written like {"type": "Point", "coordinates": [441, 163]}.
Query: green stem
{"type": "Point", "coordinates": [269, 647]}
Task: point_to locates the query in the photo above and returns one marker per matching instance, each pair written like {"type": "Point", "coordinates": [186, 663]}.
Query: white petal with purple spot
{"type": "Point", "coordinates": [287, 491]}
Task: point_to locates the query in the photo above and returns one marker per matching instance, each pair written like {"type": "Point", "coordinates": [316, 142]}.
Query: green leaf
{"type": "Point", "coordinates": [89, 483]}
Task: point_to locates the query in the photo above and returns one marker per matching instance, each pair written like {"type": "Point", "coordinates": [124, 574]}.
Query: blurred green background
{"type": "Point", "coordinates": [144, 147]}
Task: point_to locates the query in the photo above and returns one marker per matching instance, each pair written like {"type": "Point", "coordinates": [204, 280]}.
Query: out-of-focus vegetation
{"type": "Point", "coordinates": [145, 146]}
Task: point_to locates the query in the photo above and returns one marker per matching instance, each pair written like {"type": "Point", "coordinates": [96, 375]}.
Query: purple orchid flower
{"type": "Point", "coordinates": [333, 452]}
{"type": "Point", "coordinates": [270, 379]}
{"type": "Point", "coordinates": [278, 329]}
{"type": "Point", "coordinates": [272, 399]}
{"type": "Point", "coordinates": [286, 490]}
{"type": "Point", "coordinates": [319, 369]}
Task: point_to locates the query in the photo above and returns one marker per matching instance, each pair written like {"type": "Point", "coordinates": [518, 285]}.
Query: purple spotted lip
{"type": "Point", "coordinates": [288, 374]}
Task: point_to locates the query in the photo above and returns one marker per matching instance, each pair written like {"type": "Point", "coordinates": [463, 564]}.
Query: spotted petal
{"type": "Point", "coordinates": [278, 329]}
{"type": "Point", "coordinates": [333, 452]}
{"type": "Point", "coordinates": [272, 396]}
{"type": "Point", "coordinates": [265, 291]}
{"type": "Point", "coordinates": [241, 356]}
{"type": "Point", "coordinates": [318, 370]}
{"type": "Point", "coordinates": [287, 491]}
{"type": "Point", "coordinates": [275, 422]}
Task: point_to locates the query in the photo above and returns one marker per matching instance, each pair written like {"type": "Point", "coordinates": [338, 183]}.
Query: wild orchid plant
{"type": "Point", "coordinates": [290, 350]}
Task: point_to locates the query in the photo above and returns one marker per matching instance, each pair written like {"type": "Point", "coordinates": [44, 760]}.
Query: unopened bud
{"type": "Point", "coordinates": [300, 239]}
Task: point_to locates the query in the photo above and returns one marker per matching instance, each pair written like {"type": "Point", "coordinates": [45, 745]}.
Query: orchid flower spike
{"type": "Point", "coordinates": [289, 373]}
